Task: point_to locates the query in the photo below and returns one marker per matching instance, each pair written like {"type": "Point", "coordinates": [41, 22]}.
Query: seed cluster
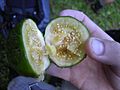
{"type": "Point", "coordinates": [58, 29]}
{"type": "Point", "coordinates": [64, 53]}
{"type": "Point", "coordinates": [73, 36]}
{"type": "Point", "coordinates": [33, 44]}
{"type": "Point", "coordinates": [36, 55]}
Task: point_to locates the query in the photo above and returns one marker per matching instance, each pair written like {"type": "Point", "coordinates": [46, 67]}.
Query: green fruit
{"type": "Point", "coordinates": [65, 38]}
{"type": "Point", "coordinates": [26, 49]}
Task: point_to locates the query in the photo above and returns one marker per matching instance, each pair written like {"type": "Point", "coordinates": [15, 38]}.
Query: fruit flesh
{"type": "Point", "coordinates": [35, 46]}
{"type": "Point", "coordinates": [68, 36]}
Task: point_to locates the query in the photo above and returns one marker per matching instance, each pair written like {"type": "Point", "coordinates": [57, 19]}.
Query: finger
{"type": "Point", "coordinates": [59, 72]}
{"type": "Point", "coordinates": [95, 30]}
{"type": "Point", "coordinates": [105, 51]}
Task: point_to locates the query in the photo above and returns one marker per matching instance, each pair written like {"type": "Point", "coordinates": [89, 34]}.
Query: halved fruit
{"type": "Point", "coordinates": [65, 38]}
{"type": "Point", "coordinates": [26, 49]}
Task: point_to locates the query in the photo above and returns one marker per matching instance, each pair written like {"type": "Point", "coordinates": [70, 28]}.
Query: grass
{"type": "Point", "coordinates": [107, 18]}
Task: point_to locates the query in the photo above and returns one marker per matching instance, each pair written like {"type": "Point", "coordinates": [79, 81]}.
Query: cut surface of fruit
{"type": "Point", "coordinates": [34, 46]}
{"type": "Point", "coordinates": [65, 37]}
{"type": "Point", "coordinates": [31, 59]}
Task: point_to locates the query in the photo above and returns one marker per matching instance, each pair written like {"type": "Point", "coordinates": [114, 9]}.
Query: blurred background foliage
{"type": "Point", "coordinates": [107, 18]}
{"type": "Point", "coordinates": [4, 70]}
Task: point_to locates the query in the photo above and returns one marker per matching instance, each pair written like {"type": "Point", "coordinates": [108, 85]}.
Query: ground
{"type": "Point", "coordinates": [107, 18]}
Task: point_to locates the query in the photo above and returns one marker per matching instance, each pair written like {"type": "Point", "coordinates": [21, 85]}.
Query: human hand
{"type": "Point", "coordinates": [101, 68]}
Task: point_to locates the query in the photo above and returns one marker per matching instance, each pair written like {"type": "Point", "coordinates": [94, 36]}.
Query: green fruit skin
{"type": "Point", "coordinates": [16, 53]}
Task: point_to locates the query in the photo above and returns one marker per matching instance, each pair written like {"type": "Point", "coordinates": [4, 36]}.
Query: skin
{"type": "Point", "coordinates": [97, 71]}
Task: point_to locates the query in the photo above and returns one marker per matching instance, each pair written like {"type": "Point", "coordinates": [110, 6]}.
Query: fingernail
{"type": "Point", "coordinates": [97, 46]}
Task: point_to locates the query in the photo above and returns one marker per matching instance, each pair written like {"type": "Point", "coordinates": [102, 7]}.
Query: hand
{"type": "Point", "coordinates": [101, 68]}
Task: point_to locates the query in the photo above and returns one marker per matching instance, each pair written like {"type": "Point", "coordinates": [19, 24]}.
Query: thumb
{"type": "Point", "coordinates": [105, 51]}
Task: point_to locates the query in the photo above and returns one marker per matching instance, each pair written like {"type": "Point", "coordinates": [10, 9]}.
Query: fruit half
{"type": "Point", "coordinates": [65, 39]}
{"type": "Point", "coordinates": [26, 49]}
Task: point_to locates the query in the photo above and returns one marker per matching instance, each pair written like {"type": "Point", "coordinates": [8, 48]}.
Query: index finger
{"type": "Point", "coordinates": [95, 30]}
